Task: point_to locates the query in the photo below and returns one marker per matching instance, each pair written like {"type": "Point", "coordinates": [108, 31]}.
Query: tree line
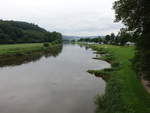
{"type": "Point", "coordinates": [120, 39]}
{"type": "Point", "coordinates": [12, 32]}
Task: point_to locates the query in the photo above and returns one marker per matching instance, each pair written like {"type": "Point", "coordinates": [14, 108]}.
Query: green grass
{"type": "Point", "coordinates": [124, 91]}
{"type": "Point", "coordinates": [14, 49]}
{"type": "Point", "coordinates": [16, 54]}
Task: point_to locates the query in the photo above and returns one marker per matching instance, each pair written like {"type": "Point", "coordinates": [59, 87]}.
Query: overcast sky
{"type": "Point", "coordinates": [70, 17]}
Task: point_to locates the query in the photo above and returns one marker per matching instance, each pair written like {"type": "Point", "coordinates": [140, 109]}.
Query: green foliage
{"type": "Point", "coordinates": [107, 39]}
{"type": "Point", "coordinates": [124, 92]}
{"type": "Point", "coordinates": [21, 32]}
{"type": "Point", "coordinates": [121, 39]}
{"type": "Point", "coordinates": [46, 44]}
{"type": "Point", "coordinates": [105, 74]}
{"type": "Point", "coordinates": [136, 17]}
{"type": "Point", "coordinates": [16, 54]}
{"type": "Point", "coordinates": [96, 40]}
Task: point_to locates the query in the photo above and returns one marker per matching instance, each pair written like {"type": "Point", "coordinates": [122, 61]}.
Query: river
{"type": "Point", "coordinates": [52, 84]}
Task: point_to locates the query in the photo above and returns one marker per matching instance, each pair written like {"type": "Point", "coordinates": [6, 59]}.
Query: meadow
{"type": "Point", "coordinates": [124, 92]}
{"type": "Point", "coordinates": [21, 49]}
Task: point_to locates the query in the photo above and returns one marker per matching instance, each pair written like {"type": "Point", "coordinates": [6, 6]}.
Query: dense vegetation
{"type": "Point", "coordinates": [120, 39]}
{"type": "Point", "coordinates": [12, 32]}
{"type": "Point", "coordinates": [135, 14]}
{"type": "Point", "coordinates": [124, 92]}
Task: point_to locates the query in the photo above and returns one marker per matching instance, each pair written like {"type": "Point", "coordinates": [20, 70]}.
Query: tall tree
{"type": "Point", "coordinates": [107, 39]}
{"type": "Point", "coordinates": [135, 14]}
{"type": "Point", "coordinates": [112, 38]}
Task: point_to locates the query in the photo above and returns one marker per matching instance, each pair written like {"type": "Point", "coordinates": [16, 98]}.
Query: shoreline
{"type": "Point", "coordinates": [124, 92]}
{"type": "Point", "coordinates": [17, 54]}
{"type": "Point", "coordinates": [23, 49]}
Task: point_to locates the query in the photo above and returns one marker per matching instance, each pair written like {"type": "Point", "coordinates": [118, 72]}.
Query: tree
{"type": "Point", "coordinates": [107, 39]}
{"type": "Point", "coordinates": [123, 37]}
{"type": "Point", "coordinates": [135, 14]}
{"type": "Point", "coordinates": [4, 38]}
{"type": "Point", "coordinates": [112, 38]}
{"type": "Point", "coordinates": [100, 40]}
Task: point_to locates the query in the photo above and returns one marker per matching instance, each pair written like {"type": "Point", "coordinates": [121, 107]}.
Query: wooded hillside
{"type": "Point", "coordinates": [23, 32]}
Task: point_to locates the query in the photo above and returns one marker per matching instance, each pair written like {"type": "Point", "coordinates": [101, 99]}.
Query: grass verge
{"type": "Point", "coordinates": [124, 92]}
{"type": "Point", "coordinates": [16, 54]}
{"type": "Point", "coordinates": [22, 49]}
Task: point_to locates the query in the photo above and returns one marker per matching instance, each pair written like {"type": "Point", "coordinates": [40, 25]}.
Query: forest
{"type": "Point", "coordinates": [12, 32]}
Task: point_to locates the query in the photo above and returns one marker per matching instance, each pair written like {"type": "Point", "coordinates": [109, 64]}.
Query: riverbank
{"type": "Point", "coordinates": [16, 54]}
{"type": "Point", "coordinates": [22, 49]}
{"type": "Point", "coordinates": [124, 92]}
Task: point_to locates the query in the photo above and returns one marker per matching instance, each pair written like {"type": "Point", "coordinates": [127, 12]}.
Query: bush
{"type": "Point", "coordinates": [46, 44]}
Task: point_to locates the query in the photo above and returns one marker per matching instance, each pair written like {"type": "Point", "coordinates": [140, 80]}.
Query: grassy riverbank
{"type": "Point", "coordinates": [124, 91]}
{"type": "Point", "coordinates": [22, 49]}
{"type": "Point", "coordinates": [16, 54]}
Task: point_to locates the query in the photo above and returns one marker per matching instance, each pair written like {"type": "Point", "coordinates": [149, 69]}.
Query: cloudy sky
{"type": "Point", "coordinates": [70, 17]}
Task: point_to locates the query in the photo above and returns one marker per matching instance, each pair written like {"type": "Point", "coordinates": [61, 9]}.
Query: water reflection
{"type": "Point", "coordinates": [52, 85]}
{"type": "Point", "coordinates": [22, 59]}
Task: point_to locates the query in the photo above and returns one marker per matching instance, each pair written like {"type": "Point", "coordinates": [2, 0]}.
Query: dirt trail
{"type": "Point", "coordinates": [146, 84]}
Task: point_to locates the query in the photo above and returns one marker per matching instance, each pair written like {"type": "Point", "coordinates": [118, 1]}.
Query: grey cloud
{"type": "Point", "coordinates": [70, 17]}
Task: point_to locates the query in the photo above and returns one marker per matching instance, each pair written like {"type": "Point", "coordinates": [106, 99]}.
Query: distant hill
{"type": "Point", "coordinates": [77, 37]}
{"type": "Point", "coordinates": [23, 32]}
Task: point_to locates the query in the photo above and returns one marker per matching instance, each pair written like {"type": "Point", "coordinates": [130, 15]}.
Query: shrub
{"type": "Point", "coordinates": [46, 44]}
